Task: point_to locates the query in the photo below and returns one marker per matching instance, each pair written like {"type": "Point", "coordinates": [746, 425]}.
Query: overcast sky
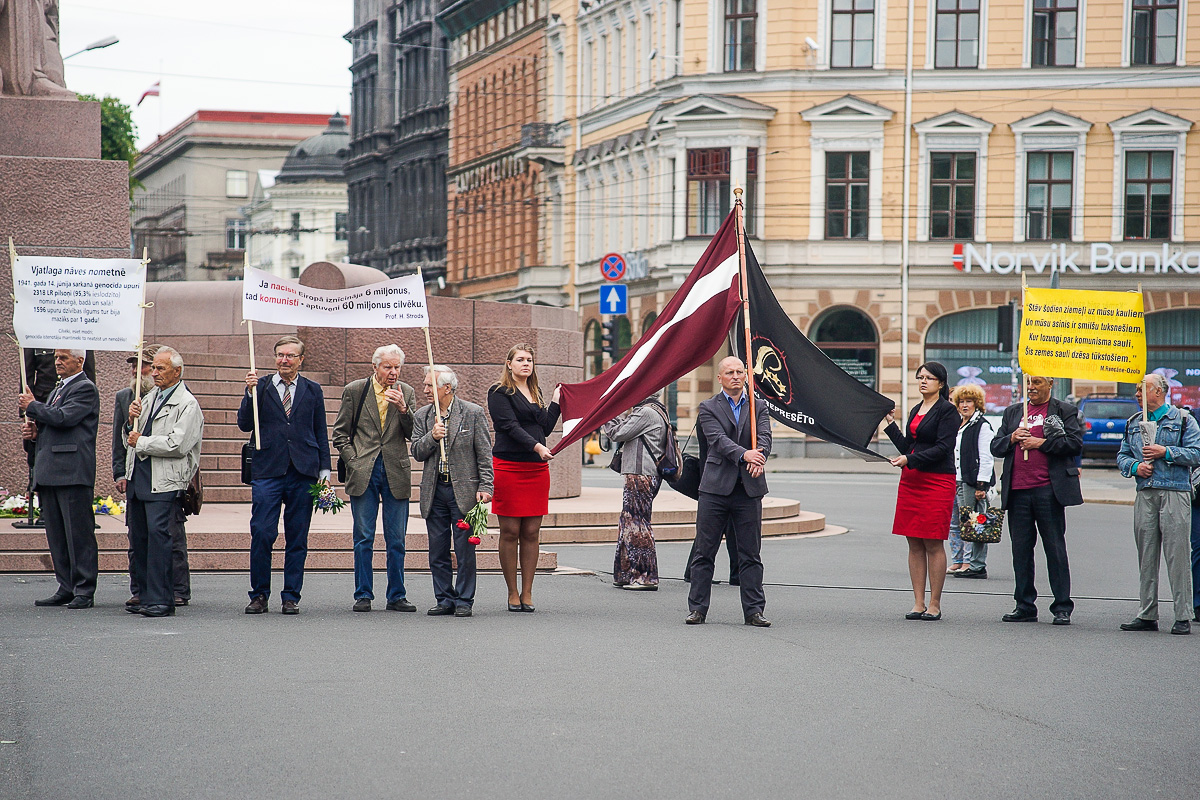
{"type": "Point", "coordinates": [244, 55]}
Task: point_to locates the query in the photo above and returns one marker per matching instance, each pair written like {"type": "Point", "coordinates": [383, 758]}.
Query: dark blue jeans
{"type": "Point", "coordinates": [268, 496]}
{"type": "Point", "coordinates": [365, 508]}
{"type": "Point", "coordinates": [440, 524]}
{"type": "Point", "coordinates": [1033, 513]}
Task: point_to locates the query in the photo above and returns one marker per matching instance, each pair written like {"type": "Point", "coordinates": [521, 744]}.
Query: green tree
{"type": "Point", "coordinates": [118, 134]}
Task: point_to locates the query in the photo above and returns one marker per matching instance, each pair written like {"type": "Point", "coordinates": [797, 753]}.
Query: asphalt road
{"type": "Point", "coordinates": [606, 693]}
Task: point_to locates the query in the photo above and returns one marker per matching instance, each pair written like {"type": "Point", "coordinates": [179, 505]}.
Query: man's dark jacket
{"type": "Point", "coordinates": [1061, 451]}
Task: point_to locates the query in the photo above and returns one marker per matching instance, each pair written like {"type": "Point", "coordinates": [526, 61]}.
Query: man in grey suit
{"type": "Point", "coordinates": [731, 489]}
{"type": "Point", "coordinates": [164, 453]}
{"type": "Point", "coordinates": [64, 429]}
{"type": "Point", "coordinates": [452, 485]}
{"type": "Point", "coordinates": [371, 433]}
{"type": "Point", "coordinates": [179, 558]}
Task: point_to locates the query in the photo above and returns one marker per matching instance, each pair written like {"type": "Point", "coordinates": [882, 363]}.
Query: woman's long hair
{"type": "Point", "coordinates": [938, 371]}
{"type": "Point", "coordinates": [509, 385]}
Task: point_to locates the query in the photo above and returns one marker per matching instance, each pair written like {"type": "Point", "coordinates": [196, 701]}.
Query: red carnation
{"type": "Point", "coordinates": [474, 539]}
{"type": "Point", "coordinates": [981, 519]}
{"type": "Point", "coordinates": [462, 525]}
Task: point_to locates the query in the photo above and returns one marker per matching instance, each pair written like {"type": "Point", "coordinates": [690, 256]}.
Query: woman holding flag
{"type": "Point", "coordinates": [522, 475]}
{"type": "Point", "coordinates": [927, 484]}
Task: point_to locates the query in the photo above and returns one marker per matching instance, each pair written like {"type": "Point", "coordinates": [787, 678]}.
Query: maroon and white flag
{"type": "Point", "coordinates": [686, 334]}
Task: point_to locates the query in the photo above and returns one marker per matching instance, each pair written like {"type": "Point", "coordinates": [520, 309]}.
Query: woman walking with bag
{"type": "Point", "coordinates": [643, 436]}
{"type": "Point", "coordinates": [974, 465]}
{"type": "Point", "coordinates": [522, 476]}
{"type": "Point", "coordinates": [926, 486]}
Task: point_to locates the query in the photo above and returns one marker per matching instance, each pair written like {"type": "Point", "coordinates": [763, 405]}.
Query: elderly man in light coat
{"type": "Point", "coordinates": [451, 487]}
{"type": "Point", "coordinates": [163, 454]}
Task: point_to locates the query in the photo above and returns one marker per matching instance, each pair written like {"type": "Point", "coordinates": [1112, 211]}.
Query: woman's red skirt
{"type": "Point", "coordinates": [522, 488]}
{"type": "Point", "coordinates": [924, 504]}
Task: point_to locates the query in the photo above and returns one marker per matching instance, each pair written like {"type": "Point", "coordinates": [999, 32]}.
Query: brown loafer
{"type": "Point", "coordinates": [291, 607]}
{"type": "Point", "coordinates": [258, 605]}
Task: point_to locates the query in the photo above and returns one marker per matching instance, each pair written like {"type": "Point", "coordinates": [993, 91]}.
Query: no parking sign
{"type": "Point", "coordinates": [612, 267]}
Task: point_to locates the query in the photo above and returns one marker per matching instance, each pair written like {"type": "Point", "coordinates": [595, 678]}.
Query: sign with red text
{"type": "Point", "coordinates": [395, 303]}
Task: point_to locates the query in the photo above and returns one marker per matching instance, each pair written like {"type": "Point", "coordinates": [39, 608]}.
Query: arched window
{"type": "Point", "coordinates": [624, 336]}
{"type": "Point", "coordinates": [648, 320]}
{"type": "Point", "coordinates": [966, 343]}
{"type": "Point", "coordinates": [848, 337]}
{"type": "Point", "coordinates": [1173, 351]}
{"type": "Point", "coordinates": [593, 356]}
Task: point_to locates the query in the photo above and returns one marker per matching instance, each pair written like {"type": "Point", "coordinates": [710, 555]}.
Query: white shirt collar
{"type": "Point", "coordinates": [65, 381]}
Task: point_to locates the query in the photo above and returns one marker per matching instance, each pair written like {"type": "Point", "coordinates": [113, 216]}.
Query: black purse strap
{"type": "Point", "coordinates": [358, 412]}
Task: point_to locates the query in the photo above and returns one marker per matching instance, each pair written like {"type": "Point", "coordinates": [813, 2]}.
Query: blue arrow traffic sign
{"type": "Point", "coordinates": [614, 299]}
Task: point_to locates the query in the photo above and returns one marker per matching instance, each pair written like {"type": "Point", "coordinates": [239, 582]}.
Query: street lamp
{"type": "Point", "coordinates": [107, 41]}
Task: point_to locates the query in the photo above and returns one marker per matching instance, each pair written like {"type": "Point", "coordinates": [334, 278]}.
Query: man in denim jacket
{"type": "Point", "coordinates": [1162, 510]}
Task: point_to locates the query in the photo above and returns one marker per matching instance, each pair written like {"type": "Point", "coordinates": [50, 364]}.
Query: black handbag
{"type": "Point", "coordinates": [341, 464]}
{"type": "Point", "coordinates": [691, 469]}
{"type": "Point", "coordinates": [192, 498]}
{"type": "Point", "coordinates": [247, 461]}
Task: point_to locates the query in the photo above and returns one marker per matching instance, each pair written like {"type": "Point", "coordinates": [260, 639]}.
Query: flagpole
{"type": "Point", "coordinates": [1024, 377]}
{"type": "Point", "coordinates": [12, 262]}
{"type": "Point", "coordinates": [250, 335]}
{"type": "Point", "coordinates": [141, 342]}
{"type": "Point", "coordinates": [740, 228]}
{"type": "Point", "coordinates": [437, 407]}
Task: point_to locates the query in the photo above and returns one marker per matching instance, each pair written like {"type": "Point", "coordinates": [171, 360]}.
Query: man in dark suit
{"type": "Point", "coordinates": [1039, 480]}
{"type": "Point", "coordinates": [294, 454]}
{"type": "Point", "coordinates": [179, 557]}
{"type": "Point", "coordinates": [371, 435]}
{"type": "Point", "coordinates": [731, 491]}
{"type": "Point", "coordinates": [451, 487]}
{"type": "Point", "coordinates": [64, 429]}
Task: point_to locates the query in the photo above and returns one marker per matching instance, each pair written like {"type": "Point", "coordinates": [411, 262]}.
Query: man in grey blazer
{"type": "Point", "coordinates": [64, 429]}
{"type": "Point", "coordinates": [179, 558]}
{"type": "Point", "coordinates": [731, 489]}
{"type": "Point", "coordinates": [371, 433]}
{"type": "Point", "coordinates": [163, 438]}
{"type": "Point", "coordinates": [451, 487]}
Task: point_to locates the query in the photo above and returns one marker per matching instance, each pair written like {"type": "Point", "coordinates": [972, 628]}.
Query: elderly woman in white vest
{"type": "Point", "coordinates": [642, 433]}
{"type": "Point", "coordinates": [975, 467]}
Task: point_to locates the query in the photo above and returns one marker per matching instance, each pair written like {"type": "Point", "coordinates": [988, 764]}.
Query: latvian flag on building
{"type": "Point", "coordinates": [685, 335]}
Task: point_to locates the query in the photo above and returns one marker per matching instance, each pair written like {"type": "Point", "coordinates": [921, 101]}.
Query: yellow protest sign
{"type": "Point", "coordinates": [1078, 333]}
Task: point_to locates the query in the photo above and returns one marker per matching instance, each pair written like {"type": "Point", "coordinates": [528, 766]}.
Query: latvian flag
{"type": "Point", "coordinates": [687, 333]}
{"type": "Point", "coordinates": [151, 92]}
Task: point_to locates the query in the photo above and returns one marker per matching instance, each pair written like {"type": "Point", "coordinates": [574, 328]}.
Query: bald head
{"type": "Point", "coordinates": [731, 373]}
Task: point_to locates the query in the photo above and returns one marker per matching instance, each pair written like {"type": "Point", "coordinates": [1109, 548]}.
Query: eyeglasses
{"type": "Point", "coordinates": [288, 356]}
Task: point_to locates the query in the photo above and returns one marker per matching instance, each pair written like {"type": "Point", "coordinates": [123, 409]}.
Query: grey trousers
{"type": "Point", "coordinates": [1162, 522]}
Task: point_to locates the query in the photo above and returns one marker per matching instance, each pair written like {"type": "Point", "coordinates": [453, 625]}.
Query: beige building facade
{"type": "Point", "coordinates": [903, 170]}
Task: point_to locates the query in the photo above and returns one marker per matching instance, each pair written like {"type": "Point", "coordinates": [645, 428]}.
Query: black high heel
{"type": "Point", "coordinates": [516, 607]}
{"type": "Point", "coordinates": [527, 607]}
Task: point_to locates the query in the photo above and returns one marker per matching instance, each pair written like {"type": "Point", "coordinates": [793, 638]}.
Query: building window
{"type": "Point", "coordinates": [741, 17]}
{"type": "Point", "coordinates": [847, 336]}
{"type": "Point", "coordinates": [853, 34]}
{"type": "Point", "coordinates": [1173, 351]}
{"type": "Point", "coordinates": [1148, 194]}
{"type": "Point", "coordinates": [1048, 182]}
{"type": "Point", "coordinates": [237, 183]}
{"type": "Point", "coordinates": [624, 333]}
{"type": "Point", "coordinates": [1155, 28]}
{"type": "Point", "coordinates": [966, 344]}
{"type": "Point", "coordinates": [951, 195]}
{"type": "Point", "coordinates": [295, 229]}
{"type": "Point", "coordinates": [1054, 26]}
{"type": "Point", "coordinates": [648, 320]}
{"type": "Point", "coordinates": [957, 42]}
{"type": "Point", "coordinates": [593, 347]}
{"type": "Point", "coordinates": [237, 232]}
{"type": "Point", "coordinates": [708, 190]}
{"type": "Point", "coordinates": [751, 187]}
{"type": "Point", "coordinates": [339, 226]}
{"type": "Point", "coordinates": [847, 177]}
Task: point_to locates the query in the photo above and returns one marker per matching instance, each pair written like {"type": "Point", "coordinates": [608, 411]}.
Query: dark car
{"type": "Point", "coordinates": [1103, 419]}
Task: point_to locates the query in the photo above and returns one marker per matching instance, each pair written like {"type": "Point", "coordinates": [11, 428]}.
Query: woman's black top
{"type": "Point", "coordinates": [519, 424]}
{"type": "Point", "coordinates": [932, 449]}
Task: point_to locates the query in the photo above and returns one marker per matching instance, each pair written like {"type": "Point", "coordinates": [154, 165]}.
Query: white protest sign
{"type": "Point", "coordinates": [395, 303]}
{"type": "Point", "coordinates": [78, 303]}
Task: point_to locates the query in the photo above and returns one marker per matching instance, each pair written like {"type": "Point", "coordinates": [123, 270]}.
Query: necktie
{"type": "Point", "coordinates": [287, 398]}
{"type": "Point", "coordinates": [57, 388]}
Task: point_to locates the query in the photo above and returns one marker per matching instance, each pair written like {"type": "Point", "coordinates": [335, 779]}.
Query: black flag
{"type": "Point", "coordinates": [801, 386]}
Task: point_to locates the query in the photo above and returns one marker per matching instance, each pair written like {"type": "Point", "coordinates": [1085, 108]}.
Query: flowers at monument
{"type": "Point", "coordinates": [107, 505]}
{"type": "Point", "coordinates": [13, 505]}
{"type": "Point", "coordinates": [325, 498]}
{"type": "Point", "coordinates": [475, 520]}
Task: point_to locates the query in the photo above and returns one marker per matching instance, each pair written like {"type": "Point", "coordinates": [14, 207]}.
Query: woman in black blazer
{"type": "Point", "coordinates": [925, 499]}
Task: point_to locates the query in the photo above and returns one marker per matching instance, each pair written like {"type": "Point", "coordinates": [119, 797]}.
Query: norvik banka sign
{"type": "Point", "coordinates": [1102, 257]}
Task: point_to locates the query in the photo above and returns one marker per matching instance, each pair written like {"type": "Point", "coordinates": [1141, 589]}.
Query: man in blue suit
{"type": "Point", "coordinates": [294, 455]}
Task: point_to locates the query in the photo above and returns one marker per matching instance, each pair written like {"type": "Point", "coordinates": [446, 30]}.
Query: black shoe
{"type": "Point", "coordinates": [914, 614]}
{"type": "Point", "coordinates": [1182, 627]}
{"type": "Point", "coordinates": [133, 601]}
{"type": "Point", "coordinates": [80, 601]}
{"type": "Point", "coordinates": [258, 605]}
{"type": "Point", "coordinates": [1062, 618]}
{"type": "Point", "coordinates": [528, 608]}
{"type": "Point", "coordinates": [971, 573]}
{"type": "Point", "coordinates": [59, 598]}
{"type": "Point", "coordinates": [462, 611]}
{"type": "Point", "coordinates": [290, 607]}
{"type": "Point", "coordinates": [1019, 616]}
{"type": "Point", "coordinates": [734, 581]}
{"type": "Point", "coordinates": [181, 601]}
{"type": "Point", "coordinates": [695, 618]}
{"type": "Point", "coordinates": [758, 620]}
{"type": "Point", "coordinates": [135, 609]}
{"type": "Point", "coordinates": [1140, 624]}
{"type": "Point", "coordinates": [401, 605]}
{"type": "Point", "coordinates": [362, 605]}
{"type": "Point", "coordinates": [440, 611]}
{"type": "Point", "coordinates": [157, 611]}
{"type": "Point", "coordinates": [515, 607]}
{"type": "Point", "coordinates": [931, 617]}
{"type": "Point", "coordinates": [1197, 617]}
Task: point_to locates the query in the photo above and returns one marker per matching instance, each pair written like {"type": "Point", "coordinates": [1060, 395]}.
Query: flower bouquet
{"type": "Point", "coordinates": [476, 522]}
{"type": "Point", "coordinates": [325, 498]}
{"type": "Point", "coordinates": [107, 505]}
{"type": "Point", "coordinates": [14, 505]}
